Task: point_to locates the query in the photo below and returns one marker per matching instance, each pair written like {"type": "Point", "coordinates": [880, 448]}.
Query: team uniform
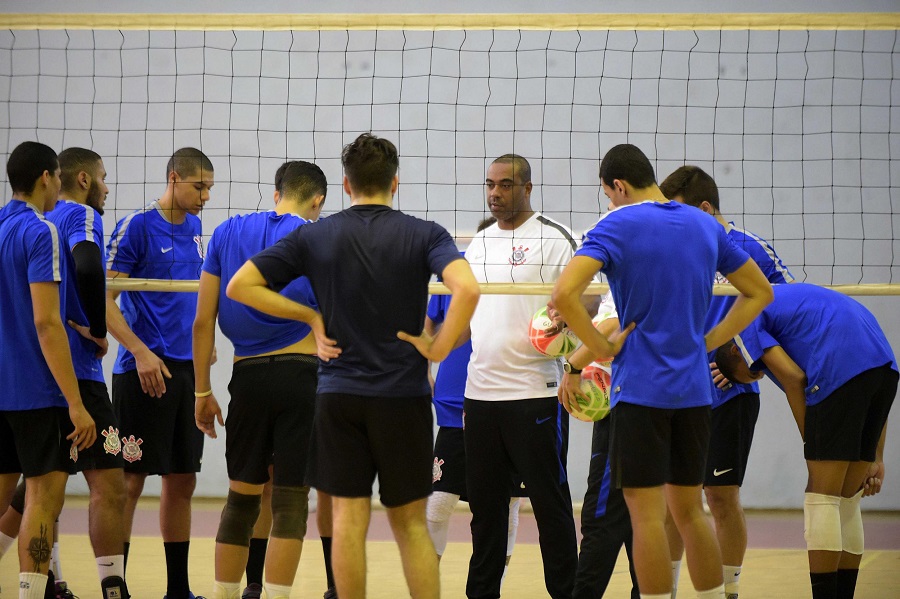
{"type": "Point", "coordinates": [79, 223]}
{"type": "Point", "coordinates": [660, 260]}
{"type": "Point", "coordinates": [735, 409]}
{"type": "Point", "coordinates": [851, 372]}
{"type": "Point", "coordinates": [34, 418]}
{"type": "Point", "coordinates": [272, 397]}
{"type": "Point", "coordinates": [605, 524]}
{"type": "Point", "coordinates": [369, 267]}
{"type": "Point", "coordinates": [514, 423]}
{"type": "Point", "coordinates": [158, 435]}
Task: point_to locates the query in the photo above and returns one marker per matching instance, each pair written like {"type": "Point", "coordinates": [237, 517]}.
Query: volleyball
{"type": "Point", "coordinates": [595, 385]}
{"type": "Point", "coordinates": [553, 346]}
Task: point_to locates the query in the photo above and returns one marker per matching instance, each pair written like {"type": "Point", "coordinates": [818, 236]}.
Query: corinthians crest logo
{"type": "Point", "coordinates": [111, 445]}
{"type": "Point", "coordinates": [131, 449]}
{"type": "Point", "coordinates": [436, 472]}
{"type": "Point", "coordinates": [199, 241]}
{"type": "Point", "coordinates": [518, 255]}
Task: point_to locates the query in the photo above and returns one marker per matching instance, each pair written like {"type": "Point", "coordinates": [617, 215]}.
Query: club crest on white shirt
{"type": "Point", "coordinates": [518, 255]}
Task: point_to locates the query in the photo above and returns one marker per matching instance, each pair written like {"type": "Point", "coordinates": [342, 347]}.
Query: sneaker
{"type": "Point", "coordinates": [63, 592]}
{"type": "Point", "coordinates": [330, 594]}
{"type": "Point", "coordinates": [253, 591]}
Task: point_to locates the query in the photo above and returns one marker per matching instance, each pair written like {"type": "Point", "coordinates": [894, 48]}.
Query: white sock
{"type": "Point", "coordinates": [716, 593]}
{"type": "Point", "coordinates": [111, 565]}
{"type": "Point", "coordinates": [731, 575]}
{"type": "Point", "coordinates": [226, 590]}
{"type": "Point", "coordinates": [5, 543]}
{"type": "Point", "coordinates": [276, 591]}
{"type": "Point", "coordinates": [32, 585]}
{"type": "Point", "coordinates": [55, 565]}
{"type": "Point", "coordinates": [676, 571]}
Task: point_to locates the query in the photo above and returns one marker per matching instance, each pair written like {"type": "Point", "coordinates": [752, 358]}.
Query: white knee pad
{"type": "Point", "coordinates": [852, 536]}
{"type": "Point", "coordinates": [822, 522]}
{"type": "Point", "coordinates": [437, 512]}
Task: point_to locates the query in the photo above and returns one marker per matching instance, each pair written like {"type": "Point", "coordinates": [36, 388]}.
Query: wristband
{"type": "Point", "coordinates": [204, 394]}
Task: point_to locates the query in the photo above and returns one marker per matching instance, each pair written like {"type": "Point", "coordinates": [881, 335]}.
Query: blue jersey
{"type": "Point", "coordinates": [30, 247]}
{"type": "Point", "coordinates": [776, 272]}
{"type": "Point", "coordinates": [660, 260]}
{"type": "Point", "coordinates": [147, 246]}
{"type": "Point", "coordinates": [233, 243]}
{"type": "Point", "coordinates": [830, 336]}
{"type": "Point", "coordinates": [450, 383]}
{"type": "Point", "coordinates": [78, 223]}
{"type": "Point", "coordinates": [369, 266]}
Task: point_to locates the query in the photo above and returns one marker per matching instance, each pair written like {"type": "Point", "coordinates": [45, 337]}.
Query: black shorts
{"type": "Point", "coordinates": [270, 417]}
{"type": "Point", "coordinates": [731, 434]}
{"type": "Point", "coordinates": [650, 447]}
{"type": "Point", "coordinates": [106, 452]}
{"type": "Point", "coordinates": [357, 437]}
{"type": "Point", "coordinates": [34, 442]}
{"type": "Point", "coordinates": [448, 474]}
{"type": "Point", "coordinates": [159, 434]}
{"type": "Point", "coordinates": [847, 425]}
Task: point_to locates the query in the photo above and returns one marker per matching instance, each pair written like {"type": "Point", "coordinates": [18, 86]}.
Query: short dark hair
{"type": "Point", "coordinates": [188, 161]}
{"type": "Point", "coordinates": [693, 184]}
{"type": "Point", "coordinates": [27, 163]}
{"type": "Point", "coordinates": [300, 179]}
{"type": "Point", "coordinates": [74, 160]}
{"type": "Point", "coordinates": [521, 167]}
{"type": "Point", "coordinates": [627, 162]}
{"type": "Point", "coordinates": [370, 164]}
{"type": "Point", "coordinates": [726, 361]}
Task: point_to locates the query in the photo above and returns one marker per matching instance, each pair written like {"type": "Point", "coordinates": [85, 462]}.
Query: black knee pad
{"type": "Point", "coordinates": [18, 499]}
{"type": "Point", "coordinates": [238, 517]}
{"type": "Point", "coordinates": [290, 509]}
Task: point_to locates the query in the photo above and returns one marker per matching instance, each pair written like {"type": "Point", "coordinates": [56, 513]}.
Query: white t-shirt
{"type": "Point", "coordinates": [504, 365]}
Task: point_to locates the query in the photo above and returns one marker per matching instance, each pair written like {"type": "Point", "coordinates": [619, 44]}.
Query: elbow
{"type": "Point", "coordinates": [234, 289]}
{"type": "Point", "coordinates": [44, 325]}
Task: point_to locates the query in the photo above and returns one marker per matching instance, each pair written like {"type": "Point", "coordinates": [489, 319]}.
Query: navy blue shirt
{"type": "Point", "coordinates": [369, 267]}
{"type": "Point", "coordinates": [830, 336]}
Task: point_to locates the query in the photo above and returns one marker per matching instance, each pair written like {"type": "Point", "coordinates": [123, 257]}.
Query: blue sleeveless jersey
{"type": "Point", "coordinates": [660, 260]}
{"type": "Point", "coordinates": [233, 243]}
{"type": "Point", "coordinates": [145, 245]}
{"type": "Point", "coordinates": [78, 223]}
{"type": "Point", "coordinates": [31, 250]}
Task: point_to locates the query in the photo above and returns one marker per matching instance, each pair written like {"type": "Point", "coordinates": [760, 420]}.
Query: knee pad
{"type": "Point", "coordinates": [17, 502]}
{"type": "Point", "coordinates": [822, 522]}
{"type": "Point", "coordinates": [290, 509]}
{"type": "Point", "coordinates": [440, 505]}
{"type": "Point", "coordinates": [238, 517]}
{"type": "Point", "coordinates": [852, 536]}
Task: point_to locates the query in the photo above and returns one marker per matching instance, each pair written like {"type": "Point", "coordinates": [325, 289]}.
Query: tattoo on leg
{"type": "Point", "coordinates": [39, 549]}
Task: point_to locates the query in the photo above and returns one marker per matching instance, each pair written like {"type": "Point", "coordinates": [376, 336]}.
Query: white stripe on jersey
{"type": "Point", "coordinates": [779, 265]}
{"type": "Point", "coordinates": [114, 242]}
{"type": "Point", "coordinates": [54, 236]}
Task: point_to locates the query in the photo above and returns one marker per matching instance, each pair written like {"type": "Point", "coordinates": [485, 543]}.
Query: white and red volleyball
{"type": "Point", "coordinates": [554, 346]}
{"type": "Point", "coordinates": [595, 387]}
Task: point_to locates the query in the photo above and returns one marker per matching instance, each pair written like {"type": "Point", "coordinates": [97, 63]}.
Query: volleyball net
{"type": "Point", "coordinates": [796, 117]}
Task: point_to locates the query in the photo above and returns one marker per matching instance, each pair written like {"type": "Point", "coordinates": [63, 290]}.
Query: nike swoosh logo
{"type": "Point", "coordinates": [106, 565]}
{"type": "Point", "coordinates": [721, 472]}
{"type": "Point", "coordinates": [594, 455]}
{"type": "Point", "coordinates": [542, 420]}
{"type": "Point", "coordinates": [169, 249]}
